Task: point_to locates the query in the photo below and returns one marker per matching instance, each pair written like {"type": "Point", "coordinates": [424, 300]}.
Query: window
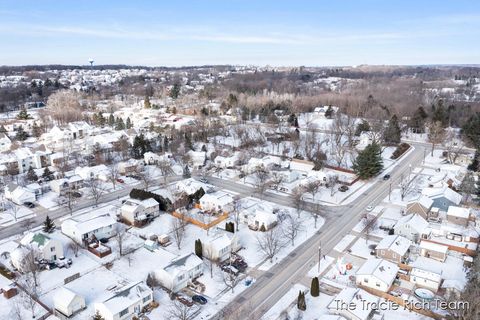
{"type": "Point", "coordinates": [52, 249]}
{"type": "Point", "coordinates": [146, 299]}
{"type": "Point", "coordinates": [377, 284]}
{"type": "Point", "coordinates": [365, 280]}
{"type": "Point", "coordinates": [123, 312]}
{"type": "Point", "coordinates": [180, 277]}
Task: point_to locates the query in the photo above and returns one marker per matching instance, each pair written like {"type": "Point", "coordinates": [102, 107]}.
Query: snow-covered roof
{"type": "Point", "coordinates": [358, 299]}
{"type": "Point", "coordinates": [458, 212]}
{"type": "Point", "coordinates": [89, 225]}
{"type": "Point", "coordinates": [126, 297]}
{"type": "Point", "coordinates": [443, 192]}
{"type": "Point", "coordinates": [396, 243]}
{"type": "Point", "coordinates": [415, 221]}
{"type": "Point", "coordinates": [424, 201]}
{"type": "Point", "coordinates": [63, 297]}
{"type": "Point", "coordinates": [265, 217]}
{"type": "Point", "coordinates": [220, 198]}
{"type": "Point", "coordinates": [427, 245]}
{"type": "Point", "coordinates": [381, 269]}
{"type": "Point", "coordinates": [183, 264]}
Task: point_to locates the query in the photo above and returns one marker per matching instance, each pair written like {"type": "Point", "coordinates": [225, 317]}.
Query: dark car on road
{"type": "Point", "coordinates": [29, 204]}
{"type": "Point", "coordinates": [386, 177]}
{"type": "Point", "coordinates": [343, 188]}
{"type": "Point", "coordinates": [199, 299]}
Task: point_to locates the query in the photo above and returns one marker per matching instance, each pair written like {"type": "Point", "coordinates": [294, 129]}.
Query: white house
{"type": "Point", "coordinates": [63, 185]}
{"type": "Point", "coordinates": [125, 302]}
{"type": "Point", "coordinates": [377, 274]}
{"type": "Point", "coordinates": [43, 246]}
{"type": "Point", "coordinates": [219, 247]}
{"type": "Point", "coordinates": [411, 227]}
{"type": "Point", "coordinates": [426, 278]}
{"type": "Point", "coordinates": [354, 304]}
{"type": "Point", "coordinates": [262, 218]}
{"type": "Point", "coordinates": [136, 212]}
{"type": "Point", "coordinates": [176, 274]}
{"type": "Point", "coordinates": [5, 142]}
{"type": "Point", "coordinates": [226, 162]}
{"type": "Point", "coordinates": [218, 200]}
{"type": "Point", "coordinates": [26, 159]}
{"type": "Point", "coordinates": [100, 172]}
{"type": "Point", "coordinates": [68, 302]}
{"type": "Point", "coordinates": [197, 158]}
{"type": "Point", "coordinates": [190, 186]}
{"type": "Point", "coordinates": [82, 230]}
{"type": "Point", "coordinates": [18, 194]}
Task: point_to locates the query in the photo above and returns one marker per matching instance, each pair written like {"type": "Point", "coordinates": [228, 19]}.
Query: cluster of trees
{"type": "Point", "coordinates": [163, 203]}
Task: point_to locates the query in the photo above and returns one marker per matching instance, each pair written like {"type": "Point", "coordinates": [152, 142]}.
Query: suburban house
{"type": "Point", "coordinates": [176, 274]}
{"type": "Point", "coordinates": [351, 303]}
{"type": "Point", "coordinates": [18, 194]}
{"type": "Point", "coordinates": [219, 247]}
{"type": "Point", "coordinates": [411, 227]}
{"type": "Point", "coordinates": [394, 248]}
{"type": "Point", "coordinates": [44, 247]}
{"type": "Point", "coordinates": [262, 218]}
{"type": "Point", "coordinates": [426, 278]}
{"type": "Point", "coordinates": [5, 142]}
{"type": "Point", "coordinates": [62, 186]}
{"type": "Point", "coordinates": [377, 274]}
{"type": "Point", "coordinates": [433, 250]}
{"type": "Point", "coordinates": [189, 186]}
{"type": "Point", "coordinates": [443, 197]}
{"type": "Point", "coordinates": [139, 212]}
{"type": "Point", "coordinates": [85, 230]}
{"type": "Point", "coordinates": [125, 302]}
{"type": "Point", "coordinates": [226, 162]}
{"type": "Point", "coordinates": [458, 215]}
{"type": "Point", "coordinates": [218, 200]}
{"type": "Point", "coordinates": [100, 172]}
{"type": "Point", "coordinates": [128, 167]}
{"type": "Point", "coordinates": [197, 158]}
{"type": "Point", "coordinates": [26, 159]}
{"type": "Point", "coordinates": [421, 206]}
{"type": "Point", "coordinates": [67, 302]}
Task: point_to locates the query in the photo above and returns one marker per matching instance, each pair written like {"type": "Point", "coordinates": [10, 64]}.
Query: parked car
{"type": "Point", "coordinates": [76, 194]}
{"type": "Point", "coordinates": [204, 180]}
{"type": "Point", "coordinates": [199, 299]}
{"type": "Point", "coordinates": [386, 177]}
{"type": "Point", "coordinates": [29, 204]}
{"type": "Point", "coordinates": [230, 269]}
{"type": "Point", "coordinates": [240, 265]}
{"type": "Point", "coordinates": [369, 208]}
{"type": "Point", "coordinates": [120, 180]}
{"type": "Point", "coordinates": [343, 188]}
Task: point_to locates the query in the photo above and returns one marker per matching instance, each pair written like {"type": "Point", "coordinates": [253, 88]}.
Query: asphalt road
{"type": "Point", "coordinates": [41, 213]}
{"type": "Point", "coordinates": [255, 301]}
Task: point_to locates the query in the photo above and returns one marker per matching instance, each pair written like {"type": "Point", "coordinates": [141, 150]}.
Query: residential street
{"type": "Point", "coordinates": [268, 289]}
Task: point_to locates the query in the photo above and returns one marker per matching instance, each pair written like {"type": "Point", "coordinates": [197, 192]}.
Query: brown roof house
{"type": "Point", "coordinates": [394, 248]}
{"type": "Point", "coordinates": [420, 206]}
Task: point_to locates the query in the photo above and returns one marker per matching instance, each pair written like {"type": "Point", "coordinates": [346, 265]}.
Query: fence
{"type": "Point", "coordinates": [201, 224]}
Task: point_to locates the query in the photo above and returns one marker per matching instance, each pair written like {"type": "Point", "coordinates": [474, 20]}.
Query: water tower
{"type": "Point", "coordinates": [91, 61]}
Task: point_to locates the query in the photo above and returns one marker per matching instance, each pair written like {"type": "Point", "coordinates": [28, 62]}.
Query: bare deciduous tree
{"type": "Point", "coordinates": [113, 174]}
{"type": "Point", "coordinates": [120, 235]}
{"type": "Point", "coordinates": [332, 181]}
{"type": "Point", "coordinates": [312, 188]}
{"type": "Point", "coordinates": [297, 198]}
{"type": "Point", "coordinates": [270, 243]}
{"type": "Point", "coordinates": [96, 190]}
{"type": "Point", "coordinates": [177, 229]}
{"type": "Point", "coordinates": [180, 311]}
{"type": "Point", "coordinates": [14, 208]}
{"type": "Point", "coordinates": [369, 224]}
{"type": "Point", "coordinates": [261, 180]}
{"type": "Point", "coordinates": [29, 265]}
{"type": "Point", "coordinates": [64, 106]}
{"type": "Point", "coordinates": [291, 226]}
{"type": "Point", "coordinates": [166, 169]}
{"type": "Point", "coordinates": [436, 134]}
{"type": "Point", "coordinates": [30, 292]}
{"type": "Point", "coordinates": [236, 211]}
{"type": "Point", "coordinates": [74, 247]}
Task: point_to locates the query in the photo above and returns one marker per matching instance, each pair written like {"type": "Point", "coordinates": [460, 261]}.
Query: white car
{"type": "Point", "coordinates": [369, 208]}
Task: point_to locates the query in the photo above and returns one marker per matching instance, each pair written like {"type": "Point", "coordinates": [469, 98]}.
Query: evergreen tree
{"type": "Point", "coordinates": [440, 113]}
{"type": "Point", "coordinates": [329, 112]}
{"type": "Point", "coordinates": [47, 174]}
{"type": "Point", "coordinates": [417, 122]}
{"type": "Point", "coordinates": [174, 110]}
{"type": "Point", "coordinates": [111, 120]}
{"type": "Point", "coordinates": [99, 119]}
{"type": "Point", "coordinates": [97, 316]}
{"type": "Point", "coordinates": [31, 175]}
{"type": "Point", "coordinates": [471, 131]}
{"type": "Point", "coordinates": [119, 124]}
{"type": "Point", "coordinates": [128, 123]}
{"type": "Point", "coordinates": [36, 130]}
{"type": "Point", "coordinates": [175, 91]}
{"type": "Point", "coordinates": [392, 134]}
{"type": "Point", "coordinates": [186, 172]}
{"type": "Point", "coordinates": [146, 103]}
{"type": "Point", "coordinates": [199, 248]}
{"type": "Point", "coordinates": [23, 115]}
{"type": "Point", "coordinates": [369, 162]}
{"type": "Point", "coordinates": [315, 287]}
{"type": "Point", "coordinates": [48, 225]}
{"type": "Point", "coordinates": [361, 127]}
{"type": "Point", "coordinates": [165, 144]}
{"type": "Point", "coordinates": [2, 129]}
{"type": "Point", "coordinates": [475, 165]}
{"type": "Point", "coordinates": [301, 304]}
{"type": "Point", "coordinates": [21, 135]}
{"type": "Point", "coordinates": [140, 146]}
{"type": "Point", "coordinates": [262, 228]}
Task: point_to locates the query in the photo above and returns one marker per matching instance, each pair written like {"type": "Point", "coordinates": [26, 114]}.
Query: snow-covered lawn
{"type": "Point", "coordinates": [343, 244]}
{"type": "Point", "coordinates": [284, 302]}
{"type": "Point", "coordinates": [324, 264]}
{"type": "Point", "coordinates": [361, 248]}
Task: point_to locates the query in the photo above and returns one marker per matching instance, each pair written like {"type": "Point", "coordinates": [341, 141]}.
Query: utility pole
{"type": "Point", "coordinates": [389, 191]}
{"type": "Point", "coordinates": [319, 256]}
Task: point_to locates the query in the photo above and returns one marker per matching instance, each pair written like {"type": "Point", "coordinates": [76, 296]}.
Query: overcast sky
{"type": "Point", "coordinates": [277, 32]}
